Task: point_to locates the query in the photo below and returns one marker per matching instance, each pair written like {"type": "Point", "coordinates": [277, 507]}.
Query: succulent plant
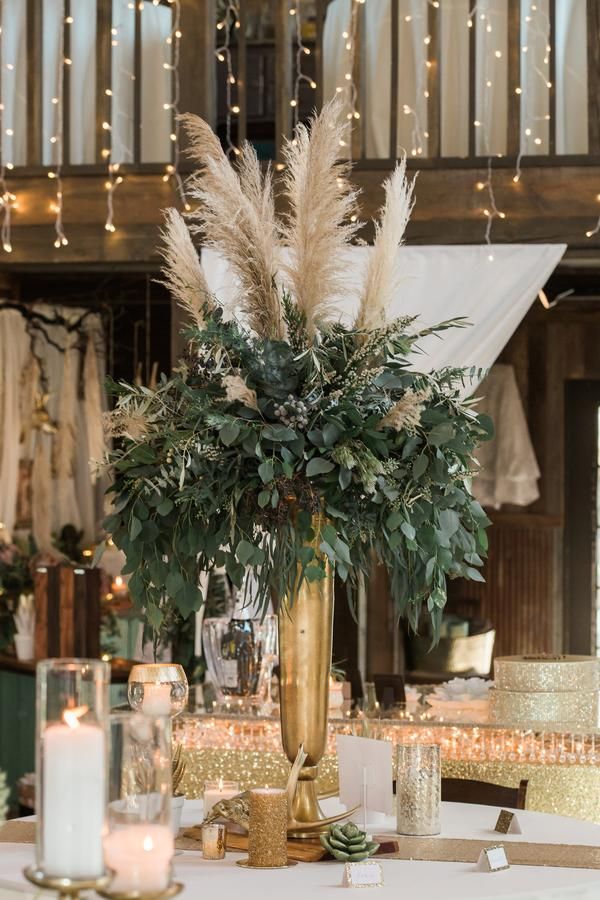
{"type": "Point", "coordinates": [348, 843]}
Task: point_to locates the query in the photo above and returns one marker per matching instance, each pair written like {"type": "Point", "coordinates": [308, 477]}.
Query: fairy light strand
{"type": "Point", "coordinates": [230, 19]}
{"type": "Point", "coordinates": [57, 139]}
{"type": "Point", "coordinates": [8, 200]}
{"type": "Point", "coordinates": [174, 41]}
{"type": "Point", "coordinates": [348, 88]}
{"type": "Point", "coordinates": [301, 51]}
{"type": "Point", "coordinates": [538, 30]}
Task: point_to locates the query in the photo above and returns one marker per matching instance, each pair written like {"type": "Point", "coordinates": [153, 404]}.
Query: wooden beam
{"type": "Point", "coordinates": [472, 83]}
{"type": "Point", "coordinates": [103, 73]}
{"type": "Point", "coordinates": [513, 138]}
{"type": "Point", "coordinates": [242, 76]}
{"type": "Point", "coordinates": [283, 74]}
{"type": "Point", "coordinates": [137, 85]}
{"type": "Point", "coordinates": [65, 137]}
{"type": "Point", "coordinates": [394, 75]}
{"type": "Point", "coordinates": [197, 61]}
{"type": "Point", "coordinates": [434, 72]}
{"type": "Point", "coordinates": [552, 79]}
{"type": "Point", "coordinates": [593, 74]}
{"type": "Point", "coordinates": [34, 82]}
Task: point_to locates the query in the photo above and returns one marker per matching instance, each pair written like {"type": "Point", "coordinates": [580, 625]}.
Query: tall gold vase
{"type": "Point", "coordinates": [305, 638]}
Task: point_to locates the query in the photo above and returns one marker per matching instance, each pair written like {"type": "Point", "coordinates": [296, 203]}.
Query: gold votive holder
{"type": "Point", "coordinates": [66, 888]}
{"type": "Point", "coordinates": [418, 789]}
{"type": "Point", "coordinates": [267, 832]}
{"type": "Point", "coordinates": [213, 841]}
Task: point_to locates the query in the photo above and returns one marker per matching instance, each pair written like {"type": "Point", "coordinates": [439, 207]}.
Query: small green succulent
{"type": "Point", "coordinates": [348, 843]}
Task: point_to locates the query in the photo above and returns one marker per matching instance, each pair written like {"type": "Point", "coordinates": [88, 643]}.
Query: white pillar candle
{"type": "Point", "coordinates": [157, 700]}
{"type": "Point", "coordinates": [140, 856]}
{"type": "Point", "coordinates": [215, 791]}
{"type": "Point", "coordinates": [73, 779]}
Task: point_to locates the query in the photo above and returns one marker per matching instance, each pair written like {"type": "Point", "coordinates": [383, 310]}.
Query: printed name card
{"type": "Point", "coordinates": [507, 823]}
{"type": "Point", "coordinates": [493, 859]}
{"type": "Point", "coordinates": [363, 875]}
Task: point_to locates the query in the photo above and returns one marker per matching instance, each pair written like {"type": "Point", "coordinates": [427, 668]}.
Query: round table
{"type": "Point", "coordinates": [404, 880]}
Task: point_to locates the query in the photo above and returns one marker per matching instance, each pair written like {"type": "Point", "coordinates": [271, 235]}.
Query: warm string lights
{"type": "Point", "coordinates": [301, 51]}
{"type": "Point", "coordinates": [8, 200]}
{"type": "Point", "coordinates": [348, 89]}
{"type": "Point", "coordinates": [418, 133]}
{"type": "Point", "coordinates": [230, 20]}
{"type": "Point", "coordinates": [173, 41]}
{"type": "Point", "coordinates": [536, 28]}
{"type": "Point", "coordinates": [57, 139]}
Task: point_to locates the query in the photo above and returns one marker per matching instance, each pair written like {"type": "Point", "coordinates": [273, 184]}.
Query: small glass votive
{"type": "Point", "coordinates": [215, 791]}
{"type": "Point", "coordinates": [418, 789]}
{"type": "Point", "coordinates": [213, 841]}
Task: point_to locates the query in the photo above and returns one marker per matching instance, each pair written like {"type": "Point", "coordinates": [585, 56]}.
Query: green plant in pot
{"type": "Point", "coordinates": [290, 441]}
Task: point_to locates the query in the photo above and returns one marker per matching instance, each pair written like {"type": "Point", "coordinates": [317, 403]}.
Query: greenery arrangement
{"type": "Point", "coordinates": [348, 843]}
{"type": "Point", "coordinates": [15, 579]}
{"type": "Point", "coordinates": [288, 438]}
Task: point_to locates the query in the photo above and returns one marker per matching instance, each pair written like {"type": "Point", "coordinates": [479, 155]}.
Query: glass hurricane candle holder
{"type": "Point", "coordinates": [158, 689]}
{"type": "Point", "coordinates": [71, 763]}
{"type": "Point", "coordinates": [418, 789]}
{"type": "Point", "coordinates": [139, 844]}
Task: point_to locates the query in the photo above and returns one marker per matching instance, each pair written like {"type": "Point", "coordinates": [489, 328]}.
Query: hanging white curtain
{"type": "Point", "coordinates": [76, 499]}
{"type": "Point", "coordinates": [440, 283]}
{"type": "Point", "coordinates": [489, 18]}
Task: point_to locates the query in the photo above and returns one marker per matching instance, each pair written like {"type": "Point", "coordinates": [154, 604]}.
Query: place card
{"type": "Point", "coordinates": [363, 875]}
{"type": "Point", "coordinates": [493, 859]}
{"type": "Point", "coordinates": [508, 823]}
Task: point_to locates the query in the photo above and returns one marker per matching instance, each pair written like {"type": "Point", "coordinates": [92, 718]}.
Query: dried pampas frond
{"type": "Point", "coordinates": [126, 422]}
{"type": "Point", "coordinates": [41, 486]}
{"type": "Point", "coordinates": [322, 204]}
{"type": "Point", "coordinates": [182, 272]}
{"type": "Point", "coordinates": [93, 403]}
{"type": "Point", "coordinates": [236, 215]}
{"type": "Point", "coordinates": [236, 389]}
{"type": "Point", "coordinates": [64, 442]}
{"type": "Point", "coordinates": [381, 277]}
{"type": "Point", "coordinates": [405, 415]}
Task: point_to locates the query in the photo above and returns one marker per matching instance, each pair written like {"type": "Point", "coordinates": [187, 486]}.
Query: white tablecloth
{"type": "Point", "coordinates": [403, 880]}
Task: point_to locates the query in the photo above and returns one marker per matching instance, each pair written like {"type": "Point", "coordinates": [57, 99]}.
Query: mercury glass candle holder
{"type": "Point", "coordinates": [139, 844]}
{"type": "Point", "coordinates": [158, 689]}
{"type": "Point", "coordinates": [418, 789]}
{"type": "Point", "coordinates": [213, 841]}
{"type": "Point", "coordinates": [71, 762]}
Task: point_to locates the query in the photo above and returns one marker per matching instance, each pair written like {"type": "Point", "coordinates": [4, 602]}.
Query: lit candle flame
{"type": "Point", "coordinates": [148, 844]}
{"type": "Point", "coordinates": [72, 716]}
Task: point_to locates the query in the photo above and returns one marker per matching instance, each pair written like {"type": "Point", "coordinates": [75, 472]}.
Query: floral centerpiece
{"type": "Point", "coordinates": [281, 411]}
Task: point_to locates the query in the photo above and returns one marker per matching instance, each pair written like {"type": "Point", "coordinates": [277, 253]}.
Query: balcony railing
{"type": "Point", "coordinates": [449, 82]}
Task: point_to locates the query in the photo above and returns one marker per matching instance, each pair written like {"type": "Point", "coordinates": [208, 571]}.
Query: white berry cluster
{"type": "Point", "coordinates": [292, 412]}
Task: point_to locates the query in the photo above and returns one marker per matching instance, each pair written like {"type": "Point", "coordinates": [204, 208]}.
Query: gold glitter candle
{"type": "Point", "coordinates": [267, 833]}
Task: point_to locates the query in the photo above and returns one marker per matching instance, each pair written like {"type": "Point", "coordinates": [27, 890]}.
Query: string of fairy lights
{"type": "Point", "coordinates": [535, 50]}
{"type": "Point", "coordinates": [229, 21]}
{"type": "Point", "coordinates": [57, 137]}
{"type": "Point", "coordinates": [8, 200]}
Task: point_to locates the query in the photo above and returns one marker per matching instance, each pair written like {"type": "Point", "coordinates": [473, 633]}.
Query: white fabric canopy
{"type": "Point", "coordinates": [440, 283]}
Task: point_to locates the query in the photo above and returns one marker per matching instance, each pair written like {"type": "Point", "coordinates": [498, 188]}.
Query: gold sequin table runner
{"type": "Point", "coordinates": [519, 853]}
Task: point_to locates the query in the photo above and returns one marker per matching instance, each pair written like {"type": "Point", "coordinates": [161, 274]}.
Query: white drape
{"type": "Point", "coordinates": [490, 20]}
{"type": "Point", "coordinates": [444, 282]}
{"type": "Point", "coordinates": [81, 501]}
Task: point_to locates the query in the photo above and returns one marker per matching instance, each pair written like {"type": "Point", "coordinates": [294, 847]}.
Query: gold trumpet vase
{"type": "Point", "coordinates": [305, 639]}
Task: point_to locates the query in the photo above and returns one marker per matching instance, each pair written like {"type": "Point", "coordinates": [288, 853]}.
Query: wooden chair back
{"type": "Point", "coordinates": [463, 790]}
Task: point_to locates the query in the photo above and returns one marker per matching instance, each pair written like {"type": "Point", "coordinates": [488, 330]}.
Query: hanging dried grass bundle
{"type": "Point", "coordinates": [322, 205]}
{"type": "Point", "coordinates": [381, 282]}
{"type": "Point", "coordinates": [93, 404]}
{"type": "Point", "coordinates": [64, 441]}
{"type": "Point", "coordinates": [182, 272]}
{"type": "Point", "coordinates": [41, 486]}
{"type": "Point", "coordinates": [30, 379]}
{"type": "Point", "coordinates": [236, 215]}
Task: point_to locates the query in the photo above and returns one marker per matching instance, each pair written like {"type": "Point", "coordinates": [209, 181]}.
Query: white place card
{"type": "Point", "coordinates": [363, 875]}
{"type": "Point", "coordinates": [365, 773]}
{"type": "Point", "coordinates": [508, 823]}
{"type": "Point", "coordinates": [493, 859]}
